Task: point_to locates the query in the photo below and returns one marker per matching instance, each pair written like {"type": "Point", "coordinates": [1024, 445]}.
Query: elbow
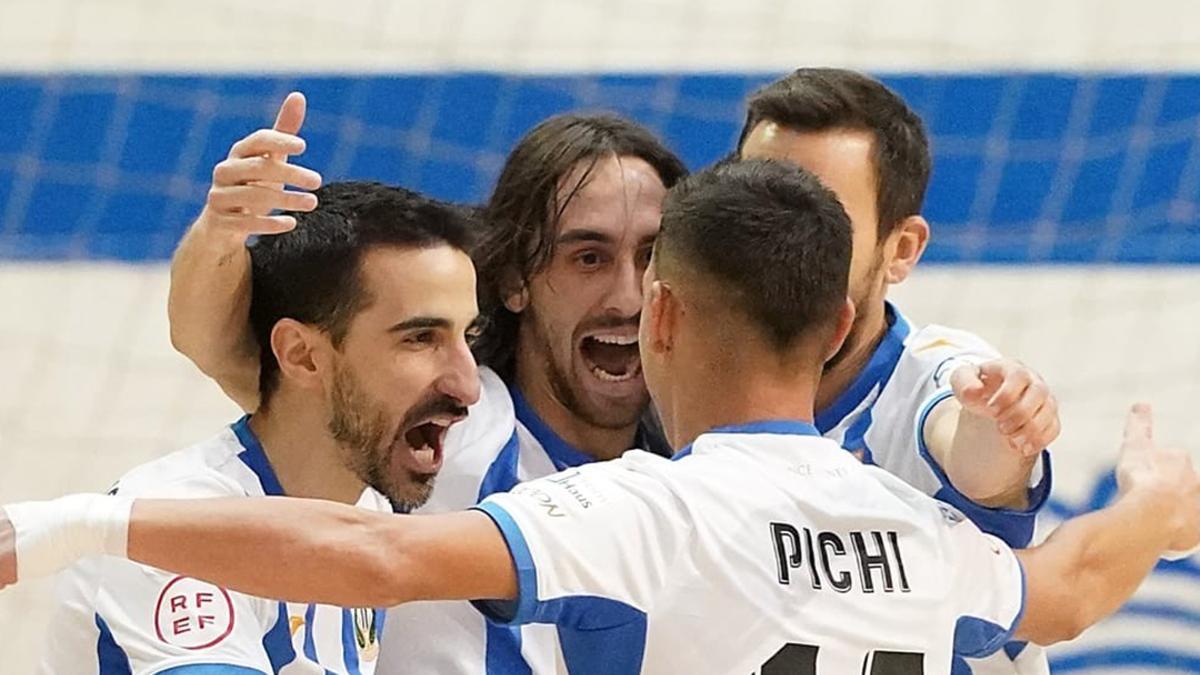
{"type": "Point", "coordinates": [184, 342]}
{"type": "Point", "coordinates": [1062, 615]}
{"type": "Point", "coordinates": [1063, 628]}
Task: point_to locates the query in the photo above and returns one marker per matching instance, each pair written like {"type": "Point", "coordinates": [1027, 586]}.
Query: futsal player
{"type": "Point", "coordinates": [363, 311]}
{"type": "Point", "coordinates": [569, 227]}
{"type": "Point", "coordinates": [935, 406]}
{"type": "Point", "coordinates": [760, 547]}
{"type": "Point", "coordinates": [567, 236]}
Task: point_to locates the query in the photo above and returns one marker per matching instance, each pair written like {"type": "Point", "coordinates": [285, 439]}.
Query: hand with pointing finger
{"type": "Point", "coordinates": [1014, 397]}
{"type": "Point", "coordinates": [250, 183]}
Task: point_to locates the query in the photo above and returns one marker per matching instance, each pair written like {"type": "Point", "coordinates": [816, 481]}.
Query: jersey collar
{"type": "Point", "coordinates": [562, 454]}
{"type": "Point", "coordinates": [879, 369]}
{"type": "Point", "coordinates": [775, 427]}
{"type": "Point", "coordinates": [253, 457]}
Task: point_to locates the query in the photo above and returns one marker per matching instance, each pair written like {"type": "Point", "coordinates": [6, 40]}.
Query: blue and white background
{"type": "Point", "coordinates": [1065, 198]}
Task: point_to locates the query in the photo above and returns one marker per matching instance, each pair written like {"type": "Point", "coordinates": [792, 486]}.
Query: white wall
{"type": "Point", "coordinates": [554, 35]}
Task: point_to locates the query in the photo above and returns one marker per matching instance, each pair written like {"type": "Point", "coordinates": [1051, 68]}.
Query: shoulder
{"type": "Point", "coordinates": [930, 354]}
{"type": "Point", "coordinates": [935, 342]}
{"type": "Point", "coordinates": [209, 468]}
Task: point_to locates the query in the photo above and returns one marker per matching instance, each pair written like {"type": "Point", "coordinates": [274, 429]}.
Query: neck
{"type": "Point", "coordinates": [306, 460]}
{"type": "Point", "coordinates": [599, 442]}
{"type": "Point", "coordinates": [869, 328]}
{"type": "Point", "coordinates": [740, 396]}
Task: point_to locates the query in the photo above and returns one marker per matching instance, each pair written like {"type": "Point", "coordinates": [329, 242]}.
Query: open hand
{"type": "Point", "coordinates": [249, 184]}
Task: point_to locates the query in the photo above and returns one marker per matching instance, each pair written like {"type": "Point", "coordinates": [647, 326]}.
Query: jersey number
{"type": "Point", "coordinates": [794, 659]}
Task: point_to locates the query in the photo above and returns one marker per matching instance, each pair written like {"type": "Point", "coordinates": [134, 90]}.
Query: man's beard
{"type": "Point", "coordinates": [861, 300]}
{"type": "Point", "coordinates": [565, 388]}
{"type": "Point", "coordinates": [361, 428]}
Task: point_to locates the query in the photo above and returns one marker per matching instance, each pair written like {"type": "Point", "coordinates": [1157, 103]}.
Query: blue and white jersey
{"type": "Point", "coordinates": [500, 444]}
{"type": "Point", "coordinates": [881, 418]}
{"type": "Point", "coordinates": [118, 617]}
{"type": "Point", "coordinates": [761, 549]}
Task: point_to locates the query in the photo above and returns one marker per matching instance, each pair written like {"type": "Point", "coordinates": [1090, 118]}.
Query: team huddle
{"type": "Point", "coordinates": [618, 419]}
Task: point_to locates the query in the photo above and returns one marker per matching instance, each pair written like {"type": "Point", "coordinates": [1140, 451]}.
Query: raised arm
{"type": "Point", "coordinates": [209, 302]}
{"type": "Point", "coordinates": [1092, 564]}
{"type": "Point", "coordinates": [297, 550]}
{"type": "Point", "coordinates": [989, 435]}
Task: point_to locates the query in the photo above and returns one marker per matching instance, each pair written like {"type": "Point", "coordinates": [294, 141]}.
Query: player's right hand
{"type": "Point", "coordinates": [249, 184]}
{"type": "Point", "coordinates": [1164, 472]}
{"type": "Point", "coordinates": [8, 552]}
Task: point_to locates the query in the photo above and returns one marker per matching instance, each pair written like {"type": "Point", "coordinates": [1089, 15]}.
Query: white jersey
{"type": "Point", "coordinates": [761, 548]}
{"type": "Point", "coordinates": [500, 444]}
{"type": "Point", "coordinates": [118, 617]}
{"type": "Point", "coordinates": [881, 417]}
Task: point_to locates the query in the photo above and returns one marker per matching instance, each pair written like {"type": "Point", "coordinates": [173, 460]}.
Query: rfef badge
{"type": "Point", "coordinates": [193, 614]}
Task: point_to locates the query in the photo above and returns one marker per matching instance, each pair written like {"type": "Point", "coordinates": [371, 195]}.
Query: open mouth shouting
{"type": "Point", "coordinates": [611, 356]}
{"type": "Point", "coordinates": [419, 445]}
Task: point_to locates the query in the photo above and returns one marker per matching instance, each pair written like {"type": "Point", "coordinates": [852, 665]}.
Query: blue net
{"type": "Point", "coordinates": [1028, 167]}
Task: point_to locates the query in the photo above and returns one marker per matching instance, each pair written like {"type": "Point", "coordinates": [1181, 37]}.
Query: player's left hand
{"type": "Point", "coordinates": [8, 552]}
{"type": "Point", "coordinates": [1015, 397]}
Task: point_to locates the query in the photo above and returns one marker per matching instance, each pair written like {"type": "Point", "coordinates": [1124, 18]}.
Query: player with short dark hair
{"type": "Point", "coordinates": [363, 311]}
{"type": "Point", "coordinates": [566, 237]}
{"type": "Point", "coordinates": [759, 547]}
{"type": "Point", "coordinates": [980, 421]}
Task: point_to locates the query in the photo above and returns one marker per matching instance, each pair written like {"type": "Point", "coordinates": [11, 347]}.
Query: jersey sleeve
{"type": "Point", "coordinates": [591, 547]}
{"type": "Point", "coordinates": [988, 588]}
{"type": "Point", "coordinates": [150, 621]}
{"type": "Point", "coordinates": [936, 353]}
{"type": "Point", "coordinates": [157, 622]}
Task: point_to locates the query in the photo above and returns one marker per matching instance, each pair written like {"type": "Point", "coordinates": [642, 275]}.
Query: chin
{"type": "Point", "coordinates": [412, 495]}
{"type": "Point", "coordinates": [614, 412]}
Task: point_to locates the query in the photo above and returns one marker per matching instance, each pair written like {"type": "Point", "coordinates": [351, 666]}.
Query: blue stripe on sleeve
{"type": "Point", "coordinates": [976, 638]}
{"type": "Point", "coordinates": [522, 610]}
{"type": "Point", "coordinates": [1013, 526]}
{"type": "Point", "coordinates": [111, 658]}
{"type": "Point", "coordinates": [599, 636]}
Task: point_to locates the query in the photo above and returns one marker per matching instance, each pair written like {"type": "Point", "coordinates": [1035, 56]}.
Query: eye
{"type": "Point", "coordinates": [589, 260]}
{"type": "Point", "coordinates": [423, 337]}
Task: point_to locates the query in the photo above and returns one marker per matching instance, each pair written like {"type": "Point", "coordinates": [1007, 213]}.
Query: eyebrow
{"type": "Point", "coordinates": [596, 236]}
{"type": "Point", "coordinates": [420, 322]}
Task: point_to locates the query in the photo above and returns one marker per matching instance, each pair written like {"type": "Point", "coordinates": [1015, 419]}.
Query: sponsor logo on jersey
{"type": "Point", "coordinates": [366, 633]}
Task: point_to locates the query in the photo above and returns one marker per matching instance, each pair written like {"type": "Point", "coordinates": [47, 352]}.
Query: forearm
{"type": "Point", "coordinates": [285, 549]}
{"type": "Point", "coordinates": [977, 458]}
{"type": "Point", "coordinates": [209, 309]}
{"type": "Point", "coordinates": [1091, 565]}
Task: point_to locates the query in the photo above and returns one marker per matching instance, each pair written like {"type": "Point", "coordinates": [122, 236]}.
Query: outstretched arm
{"type": "Point", "coordinates": [1092, 564]}
{"type": "Point", "coordinates": [209, 301]}
{"type": "Point", "coordinates": [988, 436]}
{"type": "Point", "coordinates": [297, 550]}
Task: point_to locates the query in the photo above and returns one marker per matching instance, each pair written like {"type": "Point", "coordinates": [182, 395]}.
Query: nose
{"type": "Point", "coordinates": [461, 378]}
{"type": "Point", "coordinates": [625, 296]}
